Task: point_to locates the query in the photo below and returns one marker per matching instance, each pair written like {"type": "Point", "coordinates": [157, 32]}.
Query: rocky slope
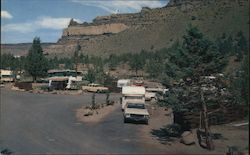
{"type": "Point", "coordinates": [152, 29]}
{"type": "Point", "coordinates": [21, 49]}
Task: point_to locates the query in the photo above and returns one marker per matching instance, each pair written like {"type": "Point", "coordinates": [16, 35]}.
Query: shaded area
{"type": "Point", "coordinates": [167, 134]}
{"type": "Point", "coordinates": [6, 152]}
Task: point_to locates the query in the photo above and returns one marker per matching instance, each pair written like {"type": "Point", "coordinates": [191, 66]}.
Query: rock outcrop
{"type": "Point", "coordinates": [94, 30]}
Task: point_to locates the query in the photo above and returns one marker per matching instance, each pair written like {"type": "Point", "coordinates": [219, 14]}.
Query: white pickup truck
{"type": "Point", "coordinates": [135, 111]}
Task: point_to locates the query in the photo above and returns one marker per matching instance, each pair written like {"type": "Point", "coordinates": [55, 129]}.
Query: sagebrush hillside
{"type": "Point", "coordinates": [150, 29]}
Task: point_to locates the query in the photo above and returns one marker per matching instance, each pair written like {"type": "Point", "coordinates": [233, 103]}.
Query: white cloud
{"type": "Point", "coordinates": [19, 27]}
{"type": "Point", "coordinates": [6, 14]}
{"type": "Point", "coordinates": [40, 23]}
{"type": "Point", "coordinates": [122, 5]}
{"type": "Point", "coordinates": [53, 23]}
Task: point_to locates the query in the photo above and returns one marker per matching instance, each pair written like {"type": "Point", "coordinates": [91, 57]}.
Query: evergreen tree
{"type": "Point", "coordinates": [113, 61]}
{"type": "Point", "coordinates": [154, 68]}
{"type": "Point", "coordinates": [197, 56]}
{"type": "Point", "coordinates": [36, 64]}
{"type": "Point", "coordinates": [240, 83]}
{"type": "Point", "coordinates": [136, 63]}
{"type": "Point", "coordinates": [90, 76]}
{"type": "Point", "coordinates": [76, 56]}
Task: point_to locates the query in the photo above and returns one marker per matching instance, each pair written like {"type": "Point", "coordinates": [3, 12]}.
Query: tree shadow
{"type": "Point", "coordinates": [6, 152]}
{"type": "Point", "coordinates": [167, 134]}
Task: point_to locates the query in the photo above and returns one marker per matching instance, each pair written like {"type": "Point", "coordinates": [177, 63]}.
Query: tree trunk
{"type": "Point", "coordinates": [107, 98]}
{"type": "Point", "coordinates": [34, 79]}
{"type": "Point", "coordinates": [209, 142]}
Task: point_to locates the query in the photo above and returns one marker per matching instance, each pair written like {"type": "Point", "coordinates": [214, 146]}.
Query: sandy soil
{"type": "Point", "coordinates": [98, 114]}
{"type": "Point", "coordinates": [231, 136]}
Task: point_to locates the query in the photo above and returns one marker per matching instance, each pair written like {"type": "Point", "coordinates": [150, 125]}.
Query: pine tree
{"type": "Point", "coordinates": [76, 56]}
{"type": "Point", "coordinates": [136, 63]}
{"type": "Point", "coordinates": [36, 64]}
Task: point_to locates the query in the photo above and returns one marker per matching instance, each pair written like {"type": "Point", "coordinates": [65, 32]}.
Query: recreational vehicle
{"type": "Point", "coordinates": [132, 93]}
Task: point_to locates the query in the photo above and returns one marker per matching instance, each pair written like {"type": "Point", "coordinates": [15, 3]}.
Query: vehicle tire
{"type": "Point", "coordinates": [98, 91]}
{"type": "Point", "coordinates": [125, 120]}
{"type": "Point", "coordinates": [146, 122]}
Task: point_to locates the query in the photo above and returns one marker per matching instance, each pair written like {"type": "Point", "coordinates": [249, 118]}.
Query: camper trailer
{"type": "Point", "coordinates": [66, 73]}
{"type": "Point", "coordinates": [63, 79]}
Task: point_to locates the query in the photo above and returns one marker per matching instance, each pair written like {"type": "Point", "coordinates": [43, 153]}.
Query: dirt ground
{"type": "Point", "coordinates": [98, 114]}
{"type": "Point", "coordinates": [231, 136]}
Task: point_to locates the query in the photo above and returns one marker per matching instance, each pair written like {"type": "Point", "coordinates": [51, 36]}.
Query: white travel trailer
{"type": "Point", "coordinates": [133, 94]}
{"type": "Point", "coordinates": [123, 82]}
{"type": "Point", "coordinates": [61, 82]}
{"type": "Point", "coordinates": [63, 79]}
{"type": "Point", "coordinates": [66, 73]}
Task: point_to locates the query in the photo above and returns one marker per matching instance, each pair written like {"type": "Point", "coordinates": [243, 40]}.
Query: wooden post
{"type": "Point", "coordinates": [209, 142]}
{"type": "Point", "coordinates": [93, 101]}
{"type": "Point", "coordinates": [107, 98]}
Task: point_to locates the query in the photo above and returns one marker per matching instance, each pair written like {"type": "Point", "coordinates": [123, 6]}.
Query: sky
{"type": "Point", "coordinates": [22, 20]}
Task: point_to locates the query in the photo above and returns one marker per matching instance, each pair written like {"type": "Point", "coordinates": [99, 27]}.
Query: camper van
{"type": "Point", "coordinates": [132, 93]}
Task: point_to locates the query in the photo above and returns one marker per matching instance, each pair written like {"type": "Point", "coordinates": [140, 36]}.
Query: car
{"type": "Point", "coordinates": [95, 88]}
{"type": "Point", "coordinates": [136, 112]}
{"type": "Point", "coordinates": [2, 85]}
{"type": "Point", "coordinates": [150, 96]}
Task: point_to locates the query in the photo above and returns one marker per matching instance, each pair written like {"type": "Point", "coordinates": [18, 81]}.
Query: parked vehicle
{"type": "Point", "coordinates": [136, 111]}
{"type": "Point", "coordinates": [63, 79]}
{"type": "Point", "coordinates": [132, 94]}
{"type": "Point", "coordinates": [66, 73]}
{"type": "Point", "coordinates": [123, 82]}
{"type": "Point", "coordinates": [150, 96]}
{"type": "Point", "coordinates": [6, 76]}
{"type": "Point", "coordinates": [157, 90]}
{"type": "Point", "coordinates": [2, 85]}
{"type": "Point", "coordinates": [97, 88]}
{"type": "Point", "coordinates": [57, 83]}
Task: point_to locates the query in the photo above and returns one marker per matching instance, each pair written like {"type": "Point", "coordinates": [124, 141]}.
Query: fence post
{"type": "Point", "coordinates": [93, 101]}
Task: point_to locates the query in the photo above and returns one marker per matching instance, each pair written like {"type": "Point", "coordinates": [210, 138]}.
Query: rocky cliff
{"type": "Point", "coordinates": [153, 29]}
{"type": "Point", "coordinates": [94, 30]}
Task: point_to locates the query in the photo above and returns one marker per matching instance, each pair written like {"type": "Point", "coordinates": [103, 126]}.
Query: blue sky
{"type": "Point", "coordinates": [22, 20]}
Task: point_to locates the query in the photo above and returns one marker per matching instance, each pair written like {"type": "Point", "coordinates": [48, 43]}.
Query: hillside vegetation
{"type": "Point", "coordinates": [154, 29]}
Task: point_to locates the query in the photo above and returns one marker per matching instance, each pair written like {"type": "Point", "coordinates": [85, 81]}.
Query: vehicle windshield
{"type": "Point", "coordinates": [7, 76]}
{"type": "Point", "coordinates": [136, 105]}
{"type": "Point", "coordinates": [133, 97]}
